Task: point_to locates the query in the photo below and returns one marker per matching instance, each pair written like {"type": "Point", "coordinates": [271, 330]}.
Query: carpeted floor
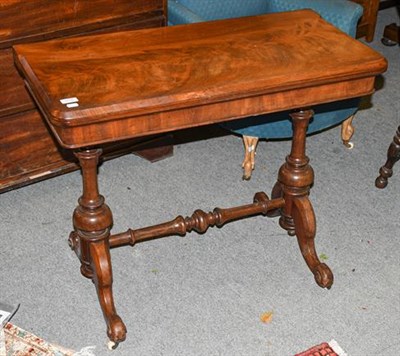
{"type": "Point", "coordinates": [205, 295]}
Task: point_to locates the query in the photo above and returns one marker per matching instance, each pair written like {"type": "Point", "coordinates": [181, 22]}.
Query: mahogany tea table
{"type": "Point", "coordinates": [111, 87]}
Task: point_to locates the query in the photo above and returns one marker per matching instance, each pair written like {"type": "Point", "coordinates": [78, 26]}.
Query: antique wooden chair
{"type": "Point", "coordinates": [341, 13]}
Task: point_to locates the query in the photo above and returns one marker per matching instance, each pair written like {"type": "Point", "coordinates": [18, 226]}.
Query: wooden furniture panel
{"type": "Point", "coordinates": [30, 153]}
{"type": "Point", "coordinates": [28, 150]}
{"type": "Point", "coordinates": [36, 20]}
{"type": "Point", "coordinates": [15, 98]}
{"type": "Point", "coordinates": [367, 24]}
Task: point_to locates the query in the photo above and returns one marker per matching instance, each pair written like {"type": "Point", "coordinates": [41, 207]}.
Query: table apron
{"type": "Point", "coordinates": [118, 129]}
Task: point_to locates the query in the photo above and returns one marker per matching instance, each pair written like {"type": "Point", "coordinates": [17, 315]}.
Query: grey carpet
{"type": "Point", "coordinates": [204, 294]}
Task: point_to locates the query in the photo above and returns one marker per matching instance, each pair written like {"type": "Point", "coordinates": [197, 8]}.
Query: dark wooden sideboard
{"type": "Point", "coordinates": [28, 152]}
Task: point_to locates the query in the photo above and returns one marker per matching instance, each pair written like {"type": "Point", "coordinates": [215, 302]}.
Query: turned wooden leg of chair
{"type": "Point", "coordinates": [347, 132]}
{"type": "Point", "coordinates": [250, 145]}
{"type": "Point", "coordinates": [393, 155]}
{"type": "Point", "coordinates": [90, 239]}
{"type": "Point", "coordinates": [297, 216]}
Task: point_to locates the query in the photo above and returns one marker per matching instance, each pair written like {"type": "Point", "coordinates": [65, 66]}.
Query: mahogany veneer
{"type": "Point", "coordinates": [29, 151]}
{"type": "Point", "coordinates": [138, 83]}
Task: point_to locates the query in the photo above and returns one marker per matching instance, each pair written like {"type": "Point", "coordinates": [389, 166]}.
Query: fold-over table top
{"type": "Point", "coordinates": [109, 77]}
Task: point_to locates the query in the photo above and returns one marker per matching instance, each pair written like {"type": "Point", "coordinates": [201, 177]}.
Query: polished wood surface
{"type": "Point", "coordinates": [173, 69]}
{"type": "Point", "coordinates": [29, 150]}
{"type": "Point", "coordinates": [15, 98]}
{"type": "Point", "coordinates": [27, 21]}
{"type": "Point", "coordinates": [152, 81]}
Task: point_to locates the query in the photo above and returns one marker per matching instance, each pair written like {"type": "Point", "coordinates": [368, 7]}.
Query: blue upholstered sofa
{"type": "Point", "coordinates": [343, 14]}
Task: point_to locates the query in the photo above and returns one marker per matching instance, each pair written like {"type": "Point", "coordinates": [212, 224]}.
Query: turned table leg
{"type": "Point", "coordinates": [393, 155]}
{"type": "Point", "coordinates": [297, 216]}
{"type": "Point", "coordinates": [90, 239]}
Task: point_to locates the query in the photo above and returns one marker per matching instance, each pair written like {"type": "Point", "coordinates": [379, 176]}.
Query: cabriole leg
{"type": "Point", "coordinates": [250, 146]}
{"type": "Point", "coordinates": [348, 132]}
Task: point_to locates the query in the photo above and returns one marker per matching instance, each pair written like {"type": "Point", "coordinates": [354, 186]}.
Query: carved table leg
{"type": "Point", "coordinates": [348, 132]}
{"type": "Point", "coordinates": [297, 216]}
{"type": "Point", "coordinates": [393, 155]}
{"type": "Point", "coordinates": [250, 145]}
{"type": "Point", "coordinates": [90, 239]}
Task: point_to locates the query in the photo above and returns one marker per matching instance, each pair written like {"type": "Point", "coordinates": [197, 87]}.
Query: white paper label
{"type": "Point", "coordinates": [66, 101]}
{"type": "Point", "coordinates": [72, 105]}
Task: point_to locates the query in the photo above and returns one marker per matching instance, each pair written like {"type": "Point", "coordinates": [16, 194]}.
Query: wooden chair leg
{"type": "Point", "coordinates": [347, 132]}
{"type": "Point", "coordinates": [393, 155]}
{"type": "Point", "coordinates": [250, 145]}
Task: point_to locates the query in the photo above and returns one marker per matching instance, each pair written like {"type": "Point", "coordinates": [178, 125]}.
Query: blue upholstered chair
{"type": "Point", "coordinates": [343, 14]}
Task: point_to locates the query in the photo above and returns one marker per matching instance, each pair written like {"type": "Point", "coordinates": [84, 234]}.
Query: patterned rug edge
{"type": "Point", "coordinates": [15, 341]}
{"type": "Point", "coordinates": [330, 348]}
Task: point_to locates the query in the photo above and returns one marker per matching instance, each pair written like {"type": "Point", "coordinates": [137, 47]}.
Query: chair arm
{"type": "Point", "coordinates": [180, 14]}
{"type": "Point", "coordinates": [343, 14]}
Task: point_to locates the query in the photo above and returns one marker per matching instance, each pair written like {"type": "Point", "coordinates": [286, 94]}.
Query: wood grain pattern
{"type": "Point", "coordinates": [28, 149]}
{"type": "Point", "coordinates": [15, 98]}
{"type": "Point", "coordinates": [29, 152]}
{"type": "Point", "coordinates": [56, 18]}
{"type": "Point", "coordinates": [118, 78]}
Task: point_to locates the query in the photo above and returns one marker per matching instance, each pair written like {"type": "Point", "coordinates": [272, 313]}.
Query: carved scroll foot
{"type": "Point", "coordinates": [102, 278]}
{"type": "Point", "coordinates": [348, 132]}
{"type": "Point", "coordinates": [393, 155]}
{"type": "Point", "coordinates": [250, 145]}
{"type": "Point", "coordinates": [305, 228]}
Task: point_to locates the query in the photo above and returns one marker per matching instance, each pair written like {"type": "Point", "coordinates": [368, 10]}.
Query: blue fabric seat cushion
{"type": "Point", "coordinates": [279, 125]}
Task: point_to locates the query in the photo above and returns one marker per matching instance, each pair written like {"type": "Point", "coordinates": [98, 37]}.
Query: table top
{"type": "Point", "coordinates": [112, 79]}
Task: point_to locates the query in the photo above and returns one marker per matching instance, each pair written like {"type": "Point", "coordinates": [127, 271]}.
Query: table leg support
{"type": "Point", "coordinates": [297, 216]}
{"type": "Point", "coordinates": [90, 239]}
